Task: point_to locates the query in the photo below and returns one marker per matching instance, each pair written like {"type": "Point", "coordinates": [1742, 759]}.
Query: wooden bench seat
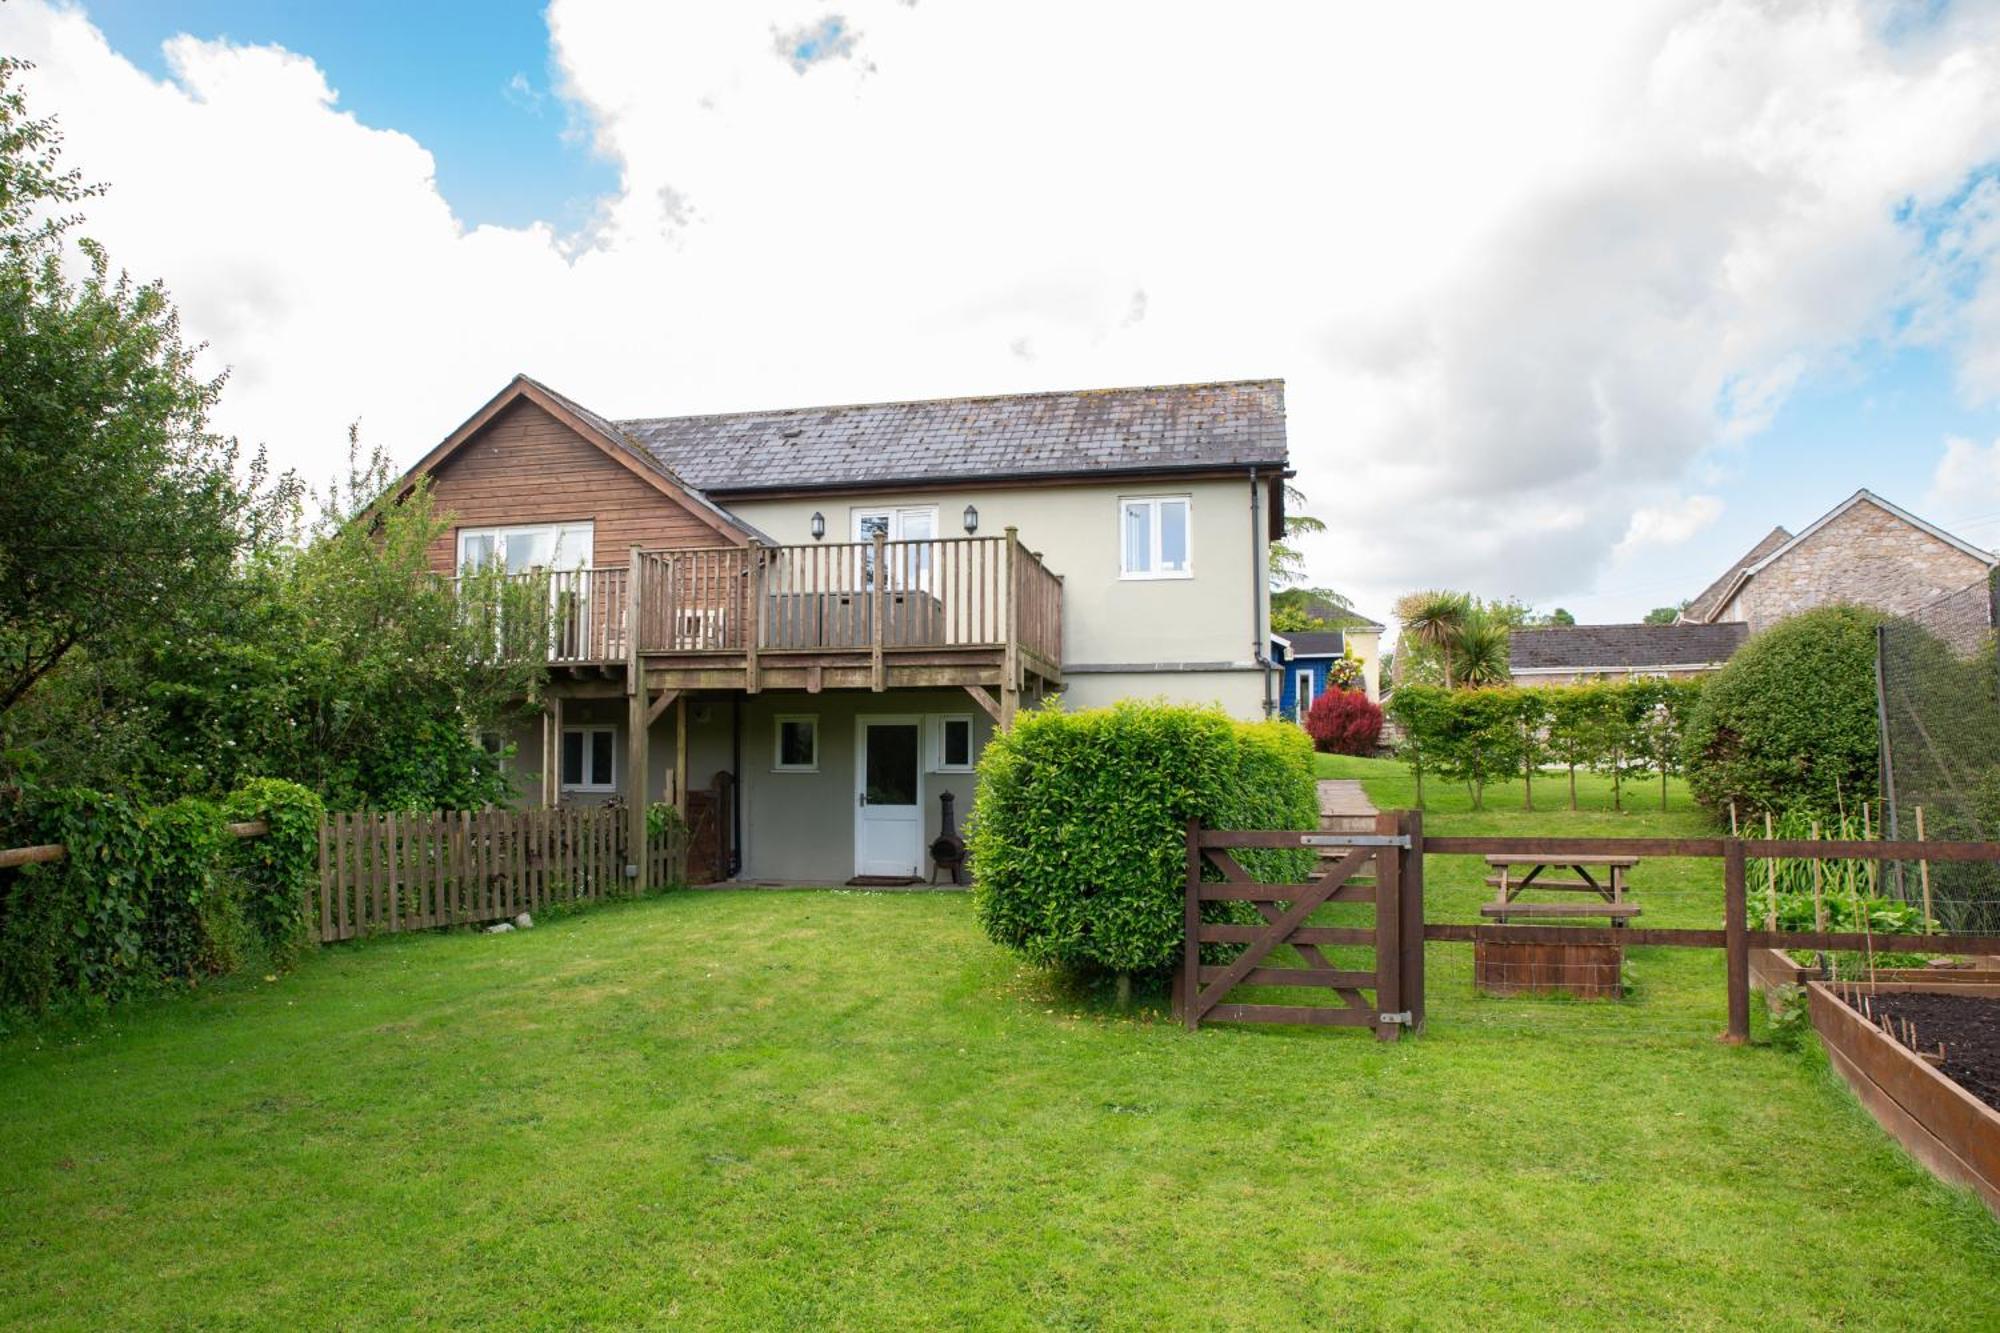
{"type": "Point", "coordinates": [1531, 859]}
{"type": "Point", "coordinates": [1559, 885]}
{"type": "Point", "coordinates": [1616, 911]}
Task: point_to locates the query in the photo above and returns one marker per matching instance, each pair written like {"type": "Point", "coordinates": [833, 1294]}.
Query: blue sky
{"type": "Point", "coordinates": [442, 71]}
{"type": "Point", "coordinates": [1509, 315]}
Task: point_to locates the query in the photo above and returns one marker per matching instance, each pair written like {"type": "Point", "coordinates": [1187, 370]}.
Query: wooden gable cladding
{"type": "Point", "coordinates": [526, 466]}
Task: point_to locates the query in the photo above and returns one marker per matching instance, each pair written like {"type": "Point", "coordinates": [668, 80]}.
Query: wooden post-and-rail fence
{"type": "Point", "coordinates": [1398, 849]}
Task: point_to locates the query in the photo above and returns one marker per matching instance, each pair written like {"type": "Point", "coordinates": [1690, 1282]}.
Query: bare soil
{"type": "Point", "coordinates": [1967, 1025]}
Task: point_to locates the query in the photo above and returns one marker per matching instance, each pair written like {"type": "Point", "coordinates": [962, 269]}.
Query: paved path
{"type": "Point", "coordinates": [1344, 807]}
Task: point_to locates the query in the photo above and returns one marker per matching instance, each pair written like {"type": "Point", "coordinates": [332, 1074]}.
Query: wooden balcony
{"type": "Point", "coordinates": [870, 615]}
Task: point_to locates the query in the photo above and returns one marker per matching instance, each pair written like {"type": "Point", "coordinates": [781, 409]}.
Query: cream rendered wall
{"type": "Point", "coordinates": [1194, 638]}
{"type": "Point", "coordinates": [1367, 646]}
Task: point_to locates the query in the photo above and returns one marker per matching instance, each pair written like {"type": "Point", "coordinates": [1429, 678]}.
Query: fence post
{"type": "Point", "coordinates": [1412, 884]}
{"type": "Point", "coordinates": [1736, 936]}
{"type": "Point", "coordinates": [1388, 930]}
{"type": "Point", "coordinates": [1187, 985]}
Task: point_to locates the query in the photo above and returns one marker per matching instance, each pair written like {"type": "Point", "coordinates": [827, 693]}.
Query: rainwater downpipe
{"type": "Point", "coordinates": [735, 785]}
{"type": "Point", "coordinates": [1260, 641]}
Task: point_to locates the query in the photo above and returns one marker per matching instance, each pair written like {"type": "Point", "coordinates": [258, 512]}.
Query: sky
{"type": "Point", "coordinates": [1574, 302]}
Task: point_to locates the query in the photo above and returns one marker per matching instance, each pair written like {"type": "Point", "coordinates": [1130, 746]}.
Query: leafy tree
{"type": "Point", "coordinates": [1482, 739]}
{"type": "Point", "coordinates": [1531, 722]}
{"type": "Point", "coordinates": [1297, 609]}
{"type": "Point", "coordinates": [1575, 726]}
{"type": "Point", "coordinates": [1422, 711]}
{"type": "Point", "coordinates": [1790, 722]}
{"type": "Point", "coordinates": [1478, 657]}
{"type": "Point", "coordinates": [122, 509]}
{"type": "Point", "coordinates": [1288, 564]}
{"type": "Point", "coordinates": [1559, 616]}
{"type": "Point", "coordinates": [1663, 615]}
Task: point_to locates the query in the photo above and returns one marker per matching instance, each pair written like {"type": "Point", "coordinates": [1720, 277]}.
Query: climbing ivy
{"type": "Point", "coordinates": [151, 897]}
{"type": "Point", "coordinates": [280, 868]}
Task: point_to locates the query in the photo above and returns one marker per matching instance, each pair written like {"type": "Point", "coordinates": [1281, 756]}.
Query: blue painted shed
{"type": "Point", "coordinates": [1305, 658]}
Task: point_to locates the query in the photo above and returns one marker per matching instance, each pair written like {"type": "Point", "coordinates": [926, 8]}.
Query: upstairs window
{"type": "Point", "coordinates": [552, 546]}
{"type": "Point", "coordinates": [1154, 537]}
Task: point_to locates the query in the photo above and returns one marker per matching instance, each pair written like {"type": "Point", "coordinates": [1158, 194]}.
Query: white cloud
{"type": "Point", "coordinates": [1673, 523]}
{"type": "Point", "coordinates": [1522, 281]}
{"type": "Point", "coordinates": [1966, 482]}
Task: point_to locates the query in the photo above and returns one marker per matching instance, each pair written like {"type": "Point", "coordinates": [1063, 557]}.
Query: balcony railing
{"type": "Point", "coordinates": [826, 597]}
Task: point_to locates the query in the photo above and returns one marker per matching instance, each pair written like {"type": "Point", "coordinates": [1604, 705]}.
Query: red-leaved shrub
{"type": "Point", "coordinates": [1344, 722]}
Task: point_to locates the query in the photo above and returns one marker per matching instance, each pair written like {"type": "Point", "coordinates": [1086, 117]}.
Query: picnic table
{"type": "Point", "coordinates": [1600, 876]}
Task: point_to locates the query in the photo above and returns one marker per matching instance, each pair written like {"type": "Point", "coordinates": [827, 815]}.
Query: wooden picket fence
{"type": "Point", "coordinates": [383, 871]}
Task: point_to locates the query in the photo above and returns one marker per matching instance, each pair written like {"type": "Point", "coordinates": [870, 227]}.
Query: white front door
{"type": "Point", "coordinates": [888, 796]}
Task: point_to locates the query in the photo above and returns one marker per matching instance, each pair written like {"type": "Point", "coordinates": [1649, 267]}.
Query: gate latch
{"type": "Point", "coordinates": [1403, 1018]}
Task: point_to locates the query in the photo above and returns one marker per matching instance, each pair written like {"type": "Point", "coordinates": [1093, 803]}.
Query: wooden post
{"type": "Point", "coordinates": [1010, 670]}
{"type": "Point", "coordinates": [1412, 882]}
{"type": "Point", "coordinates": [1924, 876]}
{"type": "Point", "coordinates": [681, 755]}
{"type": "Point", "coordinates": [552, 752]}
{"type": "Point", "coordinates": [637, 735]}
{"type": "Point", "coordinates": [1736, 938]}
{"type": "Point", "coordinates": [1188, 983]}
{"type": "Point", "coordinates": [1770, 880]}
{"type": "Point", "coordinates": [1819, 897]}
{"type": "Point", "coordinates": [877, 680]}
{"type": "Point", "coordinates": [755, 638]}
{"type": "Point", "coordinates": [1388, 932]}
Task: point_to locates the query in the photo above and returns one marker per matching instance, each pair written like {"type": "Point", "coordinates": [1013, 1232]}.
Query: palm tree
{"type": "Point", "coordinates": [1435, 620]}
{"type": "Point", "coordinates": [1479, 653]}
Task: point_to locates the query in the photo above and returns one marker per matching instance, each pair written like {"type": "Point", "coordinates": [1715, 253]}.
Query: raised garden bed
{"type": "Point", "coordinates": [1946, 1115]}
{"type": "Point", "coordinates": [1583, 971]}
{"type": "Point", "coordinates": [1773, 969]}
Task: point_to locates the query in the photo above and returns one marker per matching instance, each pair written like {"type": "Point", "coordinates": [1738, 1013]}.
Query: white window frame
{"type": "Point", "coordinates": [778, 764]}
{"type": "Point", "coordinates": [1153, 571]}
{"type": "Point", "coordinates": [938, 724]}
{"type": "Point", "coordinates": [1302, 690]}
{"type": "Point", "coordinates": [557, 532]}
{"type": "Point", "coordinates": [587, 730]}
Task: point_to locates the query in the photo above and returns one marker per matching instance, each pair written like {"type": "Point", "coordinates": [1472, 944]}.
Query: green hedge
{"type": "Point", "coordinates": [1077, 835]}
{"type": "Point", "coordinates": [147, 896]}
{"type": "Point", "coordinates": [1628, 729]}
{"type": "Point", "coordinates": [1790, 723]}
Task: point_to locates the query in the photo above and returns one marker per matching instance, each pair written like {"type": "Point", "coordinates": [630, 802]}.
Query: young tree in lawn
{"type": "Point", "coordinates": [1618, 726]}
{"type": "Point", "coordinates": [1574, 732]}
{"type": "Point", "coordinates": [1482, 739]}
{"type": "Point", "coordinates": [1531, 721]}
{"type": "Point", "coordinates": [1423, 712]}
{"type": "Point", "coordinates": [1667, 705]}
{"type": "Point", "coordinates": [121, 508]}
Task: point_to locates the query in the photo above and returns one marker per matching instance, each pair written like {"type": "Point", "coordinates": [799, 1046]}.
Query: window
{"type": "Point", "coordinates": [798, 744]}
{"type": "Point", "coordinates": [590, 759]}
{"type": "Point", "coordinates": [1154, 537]}
{"type": "Point", "coordinates": [954, 744]}
{"type": "Point", "coordinates": [1303, 685]}
{"type": "Point", "coordinates": [908, 566]}
{"type": "Point", "coordinates": [520, 549]}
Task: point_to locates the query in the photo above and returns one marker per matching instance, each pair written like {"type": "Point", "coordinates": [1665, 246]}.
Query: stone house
{"type": "Point", "coordinates": [1866, 551]}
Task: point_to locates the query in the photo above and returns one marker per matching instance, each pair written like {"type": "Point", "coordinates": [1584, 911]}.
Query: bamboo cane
{"type": "Point", "coordinates": [1924, 876]}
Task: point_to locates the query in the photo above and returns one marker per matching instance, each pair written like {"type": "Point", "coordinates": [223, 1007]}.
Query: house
{"type": "Point", "coordinates": [1574, 654]}
{"type": "Point", "coordinates": [802, 625]}
{"type": "Point", "coordinates": [1305, 659]}
{"type": "Point", "coordinates": [1865, 550]}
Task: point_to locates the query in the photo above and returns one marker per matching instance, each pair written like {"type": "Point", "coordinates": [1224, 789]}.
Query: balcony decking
{"type": "Point", "coordinates": [968, 611]}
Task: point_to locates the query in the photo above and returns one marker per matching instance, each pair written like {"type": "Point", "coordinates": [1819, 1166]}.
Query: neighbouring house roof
{"type": "Point", "coordinates": [1767, 552]}
{"type": "Point", "coordinates": [1156, 428]}
{"type": "Point", "coordinates": [1622, 647]}
{"type": "Point", "coordinates": [1317, 643]}
{"type": "Point", "coordinates": [1715, 594]}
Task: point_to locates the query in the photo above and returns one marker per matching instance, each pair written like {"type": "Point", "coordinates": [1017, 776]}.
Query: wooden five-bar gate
{"type": "Point", "coordinates": [1364, 868]}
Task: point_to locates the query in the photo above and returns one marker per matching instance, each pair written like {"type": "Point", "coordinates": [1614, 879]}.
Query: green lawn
{"type": "Point", "coordinates": [805, 1109]}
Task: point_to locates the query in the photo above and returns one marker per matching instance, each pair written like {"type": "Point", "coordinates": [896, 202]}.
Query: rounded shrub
{"type": "Point", "coordinates": [1344, 722]}
{"type": "Point", "coordinates": [1078, 830]}
{"type": "Point", "coordinates": [1790, 723]}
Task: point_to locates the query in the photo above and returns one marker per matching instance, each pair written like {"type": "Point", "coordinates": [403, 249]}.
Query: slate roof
{"type": "Point", "coordinates": [1154, 428]}
{"type": "Point", "coordinates": [1317, 642]}
{"type": "Point", "coordinates": [1622, 647]}
{"type": "Point", "coordinates": [1710, 599]}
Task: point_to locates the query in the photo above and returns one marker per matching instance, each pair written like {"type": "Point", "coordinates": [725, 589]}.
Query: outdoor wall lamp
{"type": "Point", "coordinates": [818, 525]}
{"type": "Point", "coordinates": [971, 520]}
